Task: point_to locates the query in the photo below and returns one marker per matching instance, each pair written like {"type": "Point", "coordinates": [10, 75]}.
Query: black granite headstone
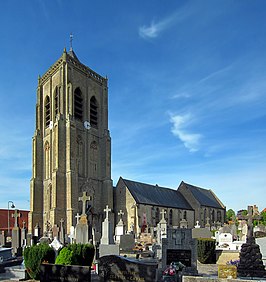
{"type": "Point", "coordinates": [175, 255]}
{"type": "Point", "coordinates": [116, 268]}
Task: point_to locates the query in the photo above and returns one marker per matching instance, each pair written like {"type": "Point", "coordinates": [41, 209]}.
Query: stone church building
{"type": "Point", "coordinates": [71, 155]}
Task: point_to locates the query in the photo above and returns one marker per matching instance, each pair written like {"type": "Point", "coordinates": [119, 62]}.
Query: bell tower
{"type": "Point", "coordinates": [71, 146]}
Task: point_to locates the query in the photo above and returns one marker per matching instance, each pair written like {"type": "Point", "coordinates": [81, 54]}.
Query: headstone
{"type": "Point", "coordinates": [62, 231]}
{"type": "Point", "coordinates": [56, 244]}
{"type": "Point", "coordinates": [37, 231]}
{"type": "Point", "coordinates": [207, 225]}
{"type": "Point", "coordinates": [197, 224]}
{"type": "Point", "coordinates": [55, 231]}
{"type": "Point", "coordinates": [5, 254]}
{"type": "Point", "coordinates": [23, 235]}
{"type": "Point", "coordinates": [82, 230]}
{"type": "Point", "coordinates": [179, 246]}
{"type": "Point", "coordinates": [201, 233]}
{"type": "Point", "coordinates": [2, 239]}
{"type": "Point", "coordinates": [120, 228]}
{"type": "Point", "coordinates": [162, 228]}
{"type": "Point", "coordinates": [183, 223]}
{"type": "Point", "coordinates": [71, 236]}
{"type": "Point", "coordinates": [107, 245]}
{"type": "Point", "coordinates": [127, 242]}
{"type": "Point", "coordinates": [225, 240]}
{"type": "Point", "coordinates": [16, 235]}
{"type": "Point", "coordinates": [107, 236]}
{"type": "Point", "coordinates": [116, 268]}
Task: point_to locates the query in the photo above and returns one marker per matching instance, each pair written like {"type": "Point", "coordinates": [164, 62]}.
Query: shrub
{"type": "Point", "coordinates": [76, 254]}
{"type": "Point", "coordinates": [35, 255]}
{"type": "Point", "coordinates": [65, 257]}
{"type": "Point", "coordinates": [206, 250]}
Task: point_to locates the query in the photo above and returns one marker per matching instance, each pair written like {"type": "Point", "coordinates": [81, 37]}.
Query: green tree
{"type": "Point", "coordinates": [230, 215]}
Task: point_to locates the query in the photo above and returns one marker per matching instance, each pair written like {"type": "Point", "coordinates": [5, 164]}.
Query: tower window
{"type": "Point", "coordinates": [78, 104]}
{"type": "Point", "coordinates": [93, 112]}
{"type": "Point", "coordinates": [171, 217]}
{"type": "Point", "coordinates": [47, 111]}
{"type": "Point", "coordinates": [56, 101]}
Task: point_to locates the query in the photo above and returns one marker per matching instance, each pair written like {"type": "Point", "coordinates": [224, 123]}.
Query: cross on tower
{"type": "Point", "coordinates": [15, 215]}
{"type": "Point", "coordinates": [71, 40]}
{"type": "Point", "coordinates": [107, 210]}
{"type": "Point", "coordinates": [163, 212]}
{"type": "Point", "coordinates": [84, 200]}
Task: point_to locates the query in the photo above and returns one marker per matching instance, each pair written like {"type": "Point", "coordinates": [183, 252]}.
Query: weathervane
{"type": "Point", "coordinates": [71, 40]}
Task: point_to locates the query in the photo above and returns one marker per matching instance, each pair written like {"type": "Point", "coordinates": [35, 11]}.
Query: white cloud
{"type": "Point", "coordinates": [190, 140]}
{"type": "Point", "coordinates": [154, 29]}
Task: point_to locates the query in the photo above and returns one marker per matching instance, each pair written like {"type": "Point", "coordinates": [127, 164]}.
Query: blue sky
{"type": "Point", "coordinates": [187, 89]}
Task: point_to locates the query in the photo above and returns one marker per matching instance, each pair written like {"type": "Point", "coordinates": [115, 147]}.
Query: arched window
{"type": "Point", "coordinates": [78, 104]}
{"type": "Point", "coordinates": [212, 216]}
{"type": "Point", "coordinates": [56, 102]}
{"type": "Point", "coordinates": [171, 217]}
{"type": "Point", "coordinates": [219, 216]}
{"type": "Point", "coordinates": [49, 197]}
{"type": "Point", "coordinates": [93, 112]}
{"type": "Point", "coordinates": [157, 216]}
{"type": "Point", "coordinates": [47, 111]}
{"type": "Point", "coordinates": [185, 215]}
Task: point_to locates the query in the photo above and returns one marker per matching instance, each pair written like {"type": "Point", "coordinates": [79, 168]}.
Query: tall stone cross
{"type": "Point", "coordinates": [250, 217]}
{"type": "Point", "coordinates": [84, 200]}
{"type": "Point", "coordinates": [107, 210]}
{"type": "Point", "coordinates": [163, 212]}
{"type": "Point", "coordinates": [16, 215]}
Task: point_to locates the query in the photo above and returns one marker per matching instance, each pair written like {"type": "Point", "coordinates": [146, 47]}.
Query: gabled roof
{"type": "Point", "coordinates": [156, 196]}
{"type": "Point", "coordinates": [204, 196]}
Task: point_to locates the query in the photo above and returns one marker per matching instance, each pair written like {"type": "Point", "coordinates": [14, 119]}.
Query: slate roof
{"type": "Point", "coordinates": [156, 196]}
{"type": "Point", "coordinates": [204, 196]}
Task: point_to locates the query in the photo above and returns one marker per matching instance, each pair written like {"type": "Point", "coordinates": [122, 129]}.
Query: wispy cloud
{"type": "Point", "coordinates": [155, 28]}
{"type": "Point", "coordinates": [190, 140]}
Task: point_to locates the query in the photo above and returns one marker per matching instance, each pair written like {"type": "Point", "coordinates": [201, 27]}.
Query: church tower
{"type": "Point", "coordinates": [71, 146]}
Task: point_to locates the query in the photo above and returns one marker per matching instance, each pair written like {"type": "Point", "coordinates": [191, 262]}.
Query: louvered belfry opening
{"type": "Point", "coordinates": [78, 104]}
{"type": "Point", "coordinates": [93, 112]}
{"type": "Point", "coordinates": [47, 111]}
{"type": "Point", "coordinates": [56, 102]}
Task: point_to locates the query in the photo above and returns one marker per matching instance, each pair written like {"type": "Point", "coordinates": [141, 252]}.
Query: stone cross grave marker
{"type": "Point", "coordinates": [107, 210]}
{"type": "Point", "coordinates": [250, 217]}
{"type": "Point", "coordinates": [16, 215]}
{"type": "Point", "coordinates": [163, 212]}
{"type": "Point", "coordinates": [77, 217]}
{"type": "Point", "coordinates": [120, 214]}
{"type": "Point", "coordinates": [84, 200]}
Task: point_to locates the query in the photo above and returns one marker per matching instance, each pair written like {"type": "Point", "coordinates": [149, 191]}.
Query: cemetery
{"type": "Point", "coordinates": [175, 254]}
{"type": "Point", "coordinates": [81, 228]}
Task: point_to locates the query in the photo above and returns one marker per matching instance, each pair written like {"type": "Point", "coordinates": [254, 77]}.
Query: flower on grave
{"type": "Point", "coordinates": [233, 262]}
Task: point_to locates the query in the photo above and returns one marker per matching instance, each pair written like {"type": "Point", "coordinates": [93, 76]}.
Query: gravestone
{"type": "Point", "coordinates": [62, 231]}
{"type": "Point", "coordinates": [251, 264]}
{"type": "Point", "coordinates": [16, 235]}
{"type": "Point", "coordinates": [162, 228]}
{"type": "Point", "coordinates": [120, 228]}
{"type": "Point", "coordinates": [198, 232]}
{"type": "Point", "coordinates": [179, 246]}
{"type": "Point", "coordinates": [127, 242]}
{"type": "Point", "coordinates": [37, 231]}
{"type": "Point", "coordinates": [183, 223]}
{"type": "Point", "coordinates": [107, 245]}
{"type": "Point", "coordinates": [55, 231]}
{"type": "Point", "coordinates": [23, 235]}
{"type": "Point", "coordinates": [2, 239]}
{"type": "Point", "coordinates": [71, 236]}
{"type": "Point", "coordinates": [225, 239]}
{"type": "Point", "coordinates": [82, 227]}
{"type": "Point", "coordinates": [116, 268]}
